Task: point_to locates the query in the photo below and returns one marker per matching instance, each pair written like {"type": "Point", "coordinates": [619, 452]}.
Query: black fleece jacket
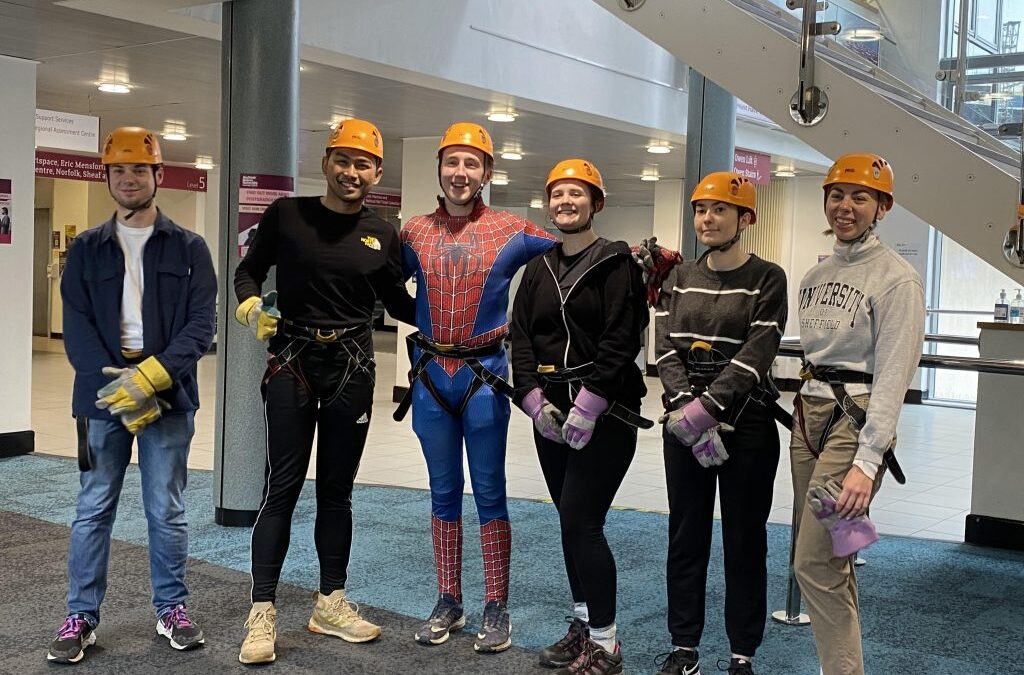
{"type": "Point", "coordinates": [569, 311]}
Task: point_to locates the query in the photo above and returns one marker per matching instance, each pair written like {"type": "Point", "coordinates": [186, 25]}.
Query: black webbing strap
{"type": "Point", "coordinates": [84, 451]}
{"type": "Point", "coordinates": [837, 379]}
{"type": "Point", "coordinates": [430, 350]}
{"type": "Point", "coordinates": [575, 375]}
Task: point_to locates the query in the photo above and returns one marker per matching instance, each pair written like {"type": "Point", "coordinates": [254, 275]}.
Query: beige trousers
{"type": "Point", "coordinates": [828, 584]}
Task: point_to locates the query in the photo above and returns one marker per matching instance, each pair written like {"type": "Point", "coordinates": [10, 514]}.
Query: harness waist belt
{"type": "Point", "coordinates": [430, 350]}
{"type": "Point", "coordinates": [809, 371]}
{"type": "Point", "coordinates": [326, 335]}
{"type": "Point", "coordinates": [555, 375]}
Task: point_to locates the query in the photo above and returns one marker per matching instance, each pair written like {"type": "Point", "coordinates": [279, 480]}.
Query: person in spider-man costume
{"type": "Point", "coordinates": [464, 256]}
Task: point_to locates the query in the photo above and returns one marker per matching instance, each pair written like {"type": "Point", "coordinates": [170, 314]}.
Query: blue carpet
{"type": "Point", "coordinates": [927, 606]}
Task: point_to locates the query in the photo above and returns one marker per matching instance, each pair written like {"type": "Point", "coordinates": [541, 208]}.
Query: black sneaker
{"type": "Point", "coordinates": [496, 633]}
{"type": "Point", "coordinates": [565, 651]}
{"type": "Point", "coordinates": [73, 637]}
{"type": "Point", "coordinates": [446, 617]}
{"type": "Point", "coordinates": [594, 660]}
{"type": "Point", "coordinates": [179, 629]}
{"type": "Point", "coordinates": [737, 667]}
{"type": "Point", "coordinates": [679, 662]}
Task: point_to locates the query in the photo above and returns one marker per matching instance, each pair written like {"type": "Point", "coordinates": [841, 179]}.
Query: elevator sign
{"type": "Point", "coordinates": [754, 166]}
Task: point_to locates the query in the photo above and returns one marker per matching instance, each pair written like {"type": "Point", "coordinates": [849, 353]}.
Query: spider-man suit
{"type": "Point", "coordinates": [463, 267]}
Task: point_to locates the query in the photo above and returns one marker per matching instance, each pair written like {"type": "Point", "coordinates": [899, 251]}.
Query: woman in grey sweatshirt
{"type": "Point", "coordinates": [861, 326]}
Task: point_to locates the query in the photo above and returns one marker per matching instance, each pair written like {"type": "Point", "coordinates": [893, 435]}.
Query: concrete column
{"type": "Point", "coordinates": [17, 161]}
{"type": "Point", "coordinates": [710, 142]}
{"type": "Point", "coordinates": [420, 190]}
{"type": "Point", "coordinates": [259, 125]}
{"type": "Point", "coordinates": [671, 211]}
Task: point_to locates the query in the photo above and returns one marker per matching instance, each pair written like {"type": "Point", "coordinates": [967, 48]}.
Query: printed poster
{"type": "Point", "coordinates": [257, 191]}
{"type": "Point", "coordinates": [6, 212]}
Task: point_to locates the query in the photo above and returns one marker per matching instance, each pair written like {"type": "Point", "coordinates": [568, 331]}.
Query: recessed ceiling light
{"type": "Point", "coordinates": [114, 87]}
{"type": "Point", "coordinates": [650, 177]}
{"type": "Point", "coordinates": [659, 149]}
{"type": "Point", "coordinates": [204, 162]}
{"type": "Point", "coordinates": [510, 155]}
{"type": "Point", "coordinates": [861, 35]}
{"type": "Point", "coordinates": [502, 116]}
{"type": "Point", "coordinates": [500, 179]}
{"type": "Point", "coordinates": [174, 136]}
{"type": "Point", "coordinates": [536, 203]}
{"type": "Point", "coordinates": [785, 173]}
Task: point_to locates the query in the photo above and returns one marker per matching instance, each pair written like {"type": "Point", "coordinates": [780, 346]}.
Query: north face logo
{"type": "Point", "coordinates": [365, 419]}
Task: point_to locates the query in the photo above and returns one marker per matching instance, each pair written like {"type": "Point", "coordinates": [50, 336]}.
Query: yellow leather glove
{"type": "Point", "coordinates": [261, 318]}
{"type": "Point", "coordinates": [150, 411]}
{"type": "Point", "coordinates": [132, 386]}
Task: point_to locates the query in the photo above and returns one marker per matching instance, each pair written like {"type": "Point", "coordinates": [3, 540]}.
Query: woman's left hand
{"type": "Point", "coordinates": [856, 494]}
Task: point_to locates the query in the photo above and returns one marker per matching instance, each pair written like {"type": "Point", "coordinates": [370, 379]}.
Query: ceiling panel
{"type": "Point", "coordinates": [177, 77]}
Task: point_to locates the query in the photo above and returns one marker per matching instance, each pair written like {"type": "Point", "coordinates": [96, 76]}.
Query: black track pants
{"type": "Point", "coordinates": [746, 479]}
{"type": "Point", "coordinates": [311, 387]}
{"type": "Point", "coordinates": [582, 484]}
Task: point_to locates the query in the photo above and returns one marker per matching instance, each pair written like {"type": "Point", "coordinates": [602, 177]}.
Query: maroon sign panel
{"type": "Point", "coordinates": [257, 191]}
{"type": "Point", "coordinates": [755, 166]}
{"type": "Point", "coordinates": [383, 199]}
{"type": "Point", "coordinates": [84, 167]}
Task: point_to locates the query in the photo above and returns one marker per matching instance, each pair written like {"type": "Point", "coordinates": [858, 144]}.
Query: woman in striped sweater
{"type": "Point", "coordinates": [719, 321]}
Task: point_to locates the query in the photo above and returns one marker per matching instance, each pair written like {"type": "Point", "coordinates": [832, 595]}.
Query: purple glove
{"type": "Point", "coordinates": [547, 419]}
{"type": "Point", "coordinates": [709, 449]}
{"type": "Point", "coordinates": [579, 425]}
{"type": "Point", "coordinates": [848, 535]}
{"type": "Point", "coordinates": [689, 422]}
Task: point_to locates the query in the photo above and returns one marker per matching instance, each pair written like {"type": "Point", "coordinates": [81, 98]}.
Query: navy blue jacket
{"type": "Point", "coordinates": [178, 310]}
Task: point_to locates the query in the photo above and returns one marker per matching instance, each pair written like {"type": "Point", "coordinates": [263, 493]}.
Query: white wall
{"type": "Point", "coordinates": [17, 133]}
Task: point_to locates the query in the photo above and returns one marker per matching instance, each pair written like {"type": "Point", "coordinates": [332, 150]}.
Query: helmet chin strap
{"type": "Point", "coordinates": [722, 248]}
{"type": "Point", "coordinates": [148, 203]}
{"type": "Point", "coordinates": [862, 238]}
{"type": "Point", "coordinates": [576, 230]}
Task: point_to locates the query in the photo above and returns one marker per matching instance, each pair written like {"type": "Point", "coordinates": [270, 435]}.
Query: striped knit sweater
{"type": "Point", "coordinates": [740, 313]}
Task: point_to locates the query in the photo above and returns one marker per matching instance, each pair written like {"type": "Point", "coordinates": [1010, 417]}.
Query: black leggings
{"type": "Point", "coordinates": [747, 479]}
{"type": "Point", "coordinates": [311, 387]}
{"type": "Point", "coordinates": [582, 484]}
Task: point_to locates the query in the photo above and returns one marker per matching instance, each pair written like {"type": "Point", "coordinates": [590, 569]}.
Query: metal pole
{"type": "Point", "coordinates": [791, 616]}
{"type": "Point", "coordinates": [961, 56]}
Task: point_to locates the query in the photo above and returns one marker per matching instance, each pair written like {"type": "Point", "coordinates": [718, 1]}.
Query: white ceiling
{"type": "Point", "coordinates": [176, 76]}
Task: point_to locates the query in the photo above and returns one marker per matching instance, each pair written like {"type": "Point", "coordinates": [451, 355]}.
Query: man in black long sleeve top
{"type": "Point", "coordinates": [334, 258]}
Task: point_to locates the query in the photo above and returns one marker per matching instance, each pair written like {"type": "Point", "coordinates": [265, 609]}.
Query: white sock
{"type": "Point", "coordinates": [580, 611]}
{"type": "Point", "coordinates": [748, 659]}
{"type": "Point", "coordinates": [685, 649]}
{"type": "Point", "coordinates": [604, 637]}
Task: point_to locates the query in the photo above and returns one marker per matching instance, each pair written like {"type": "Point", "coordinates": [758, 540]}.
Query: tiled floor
{"type": "Point", "coordinates": [935, 449]}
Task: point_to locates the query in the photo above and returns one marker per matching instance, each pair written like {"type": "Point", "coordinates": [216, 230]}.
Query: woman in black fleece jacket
{"type": "Point", "coordinates": [576, 329]}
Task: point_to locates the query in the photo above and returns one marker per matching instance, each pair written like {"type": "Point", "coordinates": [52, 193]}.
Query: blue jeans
{"type": "Point", "coordinates": [163, 457]}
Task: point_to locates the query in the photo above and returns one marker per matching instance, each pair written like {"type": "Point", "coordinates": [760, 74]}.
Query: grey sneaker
{"type": "Point", "coordinates": [446, 617]}
{"type": "Point", "coordinates": [496, 633]}
{"type": "Point", "coordinates": [179, 629]}
{"type": "Point", "coordinates": [73, 637]}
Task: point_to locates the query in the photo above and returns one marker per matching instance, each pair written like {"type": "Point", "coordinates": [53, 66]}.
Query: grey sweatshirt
{"type": "Point", "coordinates": [863, 309]}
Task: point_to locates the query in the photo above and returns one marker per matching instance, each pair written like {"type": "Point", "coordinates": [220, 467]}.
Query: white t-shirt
{"type": "Point", "coordinates": [132, 241]}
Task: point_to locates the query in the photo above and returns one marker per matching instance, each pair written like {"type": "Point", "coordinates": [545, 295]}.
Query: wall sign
{"type": "Point", "coordinates": [755, 166]}
{"type": "Point", "coordinates": [67, 131]}
{"type": "Point", "coordinates": [83, 167]}
{"type": "Point", "coordinates": [257, 191]}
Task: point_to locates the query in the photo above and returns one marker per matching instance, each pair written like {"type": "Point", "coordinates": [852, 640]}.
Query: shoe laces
{"type": "Point", "coordinates": [178, 617]}
{"type": "Point", "coordinates": [73, 626]}
{"type": "Point", "coordinates": [495, 616]}
{"type": "Point", "coordinates": [342, 606]}
{"type": "Point", "coordinates": [588, 653]}
{"type": "Point", "coordinates": [662, 659]}
{"type": "Point", "coordinates": [577, 631]}
{"type": "Point", "coordinates": [259, 624]}
{"type": "Point", "coordinates": [446, 604]}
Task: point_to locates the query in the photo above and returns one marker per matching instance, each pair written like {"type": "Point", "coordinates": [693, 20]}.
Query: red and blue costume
{"type": "Point", "coordinates": [463, 267]}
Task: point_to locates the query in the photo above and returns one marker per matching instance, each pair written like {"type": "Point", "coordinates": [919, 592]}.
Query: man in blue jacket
{"type": "Point", "coordinates": [139, 311]}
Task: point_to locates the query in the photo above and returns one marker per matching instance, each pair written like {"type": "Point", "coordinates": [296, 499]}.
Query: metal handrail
{"type": "Point", "coordinates": [964, 312]}
{"type": "Point", "coordinates": [952, 339]}
{"type": "Point", "coordinates": [969, 363]}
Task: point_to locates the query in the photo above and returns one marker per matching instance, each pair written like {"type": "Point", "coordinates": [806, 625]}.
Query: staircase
{"type": "Point", "coordinates": [948, 172]}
